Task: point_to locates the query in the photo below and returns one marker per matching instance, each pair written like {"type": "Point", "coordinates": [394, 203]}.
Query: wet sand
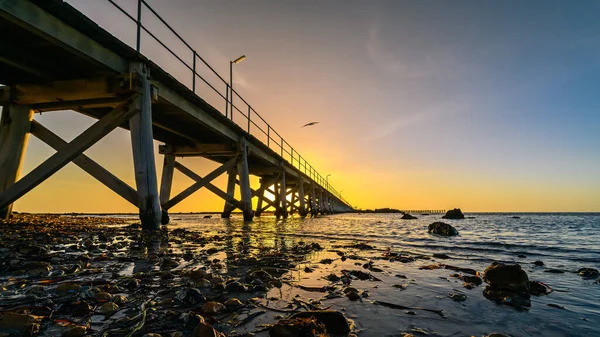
{"type": "Point", "coordinates": [75, 276]}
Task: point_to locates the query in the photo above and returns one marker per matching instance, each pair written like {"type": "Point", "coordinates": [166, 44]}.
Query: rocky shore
{"type": "Point", "coordinates": [76, 276]}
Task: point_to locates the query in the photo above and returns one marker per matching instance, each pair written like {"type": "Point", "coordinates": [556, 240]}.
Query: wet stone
{"type": "Point", "coordinates": [24, 325]}
{"type": "Point", "coordinates": [76, 331]}
{"type": "Point", "coordinates": [334, 321]}
{"type": "Point", "coordinates": [588, 273]}
{"type": "Point", "coordinates": [212, 308]}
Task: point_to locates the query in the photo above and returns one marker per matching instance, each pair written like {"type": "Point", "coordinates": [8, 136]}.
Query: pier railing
{"type": "Point", "coordinates": [243, 115]}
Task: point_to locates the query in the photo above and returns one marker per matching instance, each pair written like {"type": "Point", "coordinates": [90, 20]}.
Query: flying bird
{"type": "Point", "coordinates": [309, 124]}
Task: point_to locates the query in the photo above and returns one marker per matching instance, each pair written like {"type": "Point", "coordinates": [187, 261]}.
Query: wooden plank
{"type": "Point", "coordinates": [87, 164]}
{"type": "Point", "coordinates": [38, 21]}
{"type": "Point", "coordinates": [197, 150]}
{"type": "Point", "coordinates": [14, 134]}
{"type": "Point", "coordinates": [200, 183]}
{"type": "Point", "coordinates": [59, 92]}
{"type": "Point", "coordinates": [76, 147]}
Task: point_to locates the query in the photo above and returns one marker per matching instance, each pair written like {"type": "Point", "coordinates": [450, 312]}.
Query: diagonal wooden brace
{"type": "Point", "coordinates": [200, 183]}
{"type": "Point", "coordinates": [209, 186]}
{"type": "Point", "coordinates": [87, 164]}
{"type": "Point", "coordinates": [76, 147]}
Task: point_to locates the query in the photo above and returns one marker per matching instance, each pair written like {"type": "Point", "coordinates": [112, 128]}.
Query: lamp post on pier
{"type": "Point", "coordinates": [231, 63]}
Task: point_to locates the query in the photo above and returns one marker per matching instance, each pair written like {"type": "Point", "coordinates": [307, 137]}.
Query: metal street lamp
{"type": "Point", "coordinates": [231, 63]}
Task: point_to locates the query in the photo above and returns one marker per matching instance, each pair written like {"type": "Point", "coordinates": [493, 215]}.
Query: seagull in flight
{"type": "Point", "coordinates": [309, 124]}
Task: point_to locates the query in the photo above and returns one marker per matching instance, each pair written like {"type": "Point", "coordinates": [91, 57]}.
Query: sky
{"type": "Point", "coordinates": [482, 105]}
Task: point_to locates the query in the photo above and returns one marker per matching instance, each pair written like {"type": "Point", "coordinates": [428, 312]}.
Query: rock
{"type": "Point", "coordinates": [334, 321]}
{"type": "Point", "coordinates": [205, 330]}
{"type": "Point", "coordinates": [458, 297]}
{"type": "Point", "coordinates": [25, 325]}
{"type": "Point", "coordinates": [538, 263]}
{"type": "Point", "coordinates": [442, 228]}
{"type": "Point", "coordinates": [36, 268]}
{"type": "Point", "coordinates": [536, 288]}
{"type": "Point", "coordinates": [75, 331]}
{"type": "Point", "coordinates": [441, 256]}
{"type": "Point", "coordinates": [507, 284]}
{"type": "Point", "coordinates": [152, 334]}
{"type": "Point", "coordinates": [235, 287]}
{"type": "Point", "coordinates": [508, 277]}
{"type": "Point", "coordinates": [198, 274]}
{"type": "Point", "coordinates": [454, 214]}
{"type": "Point", "coordinates": [119, 299]}
{"type": "Point", "coordinates": [407, 216]}
{"type": "Point", "coordinates": [471, 279]}
{"type": "Point", "coordinates": [308, 270]}
{"type": "Point", "coordinates": [67, 288]}
{"type": "Point", "coordinates": [168, 263]}
{"type": "Point", "coordinates": [495, 334]}
{"type": "Point", "coordinates": [233, 303]}
{"type": "Point", "coordinates": [102, 297]}
{"type": "Point", "coordinates": [212, 308]}
{"type": "Point", "coordinates": [353, 295]}
{"type": "Point", "coordinates": [190, 296]}
{"type": "Point", "coordinates": [108, 308]}
{"type": "Point", "coordinates": [298, 327]}
{"type": "Point", "coordinates": [81, 309]}
{"type": "Point", "coordinates": [588, 273]}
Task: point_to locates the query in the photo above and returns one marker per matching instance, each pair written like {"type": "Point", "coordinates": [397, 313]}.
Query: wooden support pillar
{"type": "Point", "coordinates": [244, 175]}
{"type": "Point", "coordinates": [321, 202]}
{"type": "Point", "coordinates": [166, 183]}
{"type": "Point", "coordinates": [142, 139]}
{"type": "Point", "coordinates": [283, 196]}
{"type": "Point", "coordinates": [261, 196]}
{"type": "Point", "coordinates": [313, 201]}
{"type": "Point", "coordinates": [302, 210]}
{"type": "Point", "coordinates": [231, 178]}
{"type": "Point", "coordinates": [14, 134]}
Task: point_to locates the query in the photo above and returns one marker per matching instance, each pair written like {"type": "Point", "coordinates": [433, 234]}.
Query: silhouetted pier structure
{"type": "Point", "coordinates": [425, 211]}
{"type": "Point", "coordinates": [52, 57]}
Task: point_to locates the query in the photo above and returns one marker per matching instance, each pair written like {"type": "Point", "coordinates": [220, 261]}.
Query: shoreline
{"type": "Point", "coordinates": [364, 281]}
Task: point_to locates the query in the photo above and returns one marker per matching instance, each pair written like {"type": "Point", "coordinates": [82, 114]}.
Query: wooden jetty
{"type": "Point", "coordinates": [52, 57]}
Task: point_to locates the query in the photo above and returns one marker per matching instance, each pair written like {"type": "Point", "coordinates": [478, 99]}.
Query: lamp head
{"type": "Point", "coordinates": [239, 59]}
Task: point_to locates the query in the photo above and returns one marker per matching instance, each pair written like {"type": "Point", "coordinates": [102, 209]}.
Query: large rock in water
{"type": "Point", "coordinates": [454, 214]}
{"type": "Point", "coordinates": [442, 228]}
{"type": "Point", "coordinates": [507, 284]}
{"type": "Point", "coordinates": [506, 276]}
{"type": "Point", "coordinates": [407, 216]}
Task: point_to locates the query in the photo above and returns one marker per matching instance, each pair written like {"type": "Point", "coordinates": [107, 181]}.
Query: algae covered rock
{"type": "Point", "coordinates": [442, 228]}
{"type": "Point", "coordinates": [407, 216]}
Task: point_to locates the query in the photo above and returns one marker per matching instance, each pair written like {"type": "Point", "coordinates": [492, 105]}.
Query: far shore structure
{"type": "Point", "coordinates": [66, 62]}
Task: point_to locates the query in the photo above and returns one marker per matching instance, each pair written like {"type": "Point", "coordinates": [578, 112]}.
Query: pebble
{"type": "Point", "coordinates": [76, 331]}
{"type": "Point", "coordinates": [108, 308]}
{"type": "Point", "coordinates": [212, 308]}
